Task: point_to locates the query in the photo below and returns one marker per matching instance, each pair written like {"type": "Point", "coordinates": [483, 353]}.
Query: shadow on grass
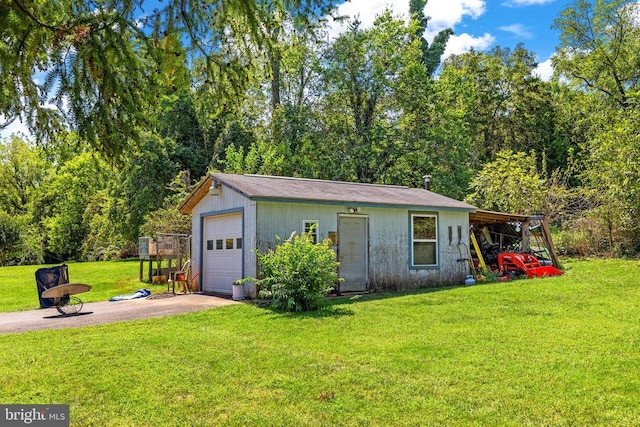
{"type": "Point", "coordinates": [334, 305]}
{"type": "Point", "coordinates": [328, 309]}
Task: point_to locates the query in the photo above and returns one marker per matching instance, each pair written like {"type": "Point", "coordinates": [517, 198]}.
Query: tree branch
{"type": "Point", "coordinates": [34, 18]}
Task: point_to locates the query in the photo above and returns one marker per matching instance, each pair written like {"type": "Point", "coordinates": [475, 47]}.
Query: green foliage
{"type": "Point", "coordinates": [503, 104]}
{"type": "Point", "coordinates": [168, 219]}
{"type": "Point", "coordinates": [67, 193]}
{"type": "Point", "coordinates": [613, 175]}
{"type": "Point", "coordinates": [261, 157]}
{"type": "Point", "coordinates": [103, 240]}
{"type": "Point", "coordinates": [234, 134]}
{"type": "Point", "coordinates": [22, 170]}
{"type": "Point", "coordinates": [509, 184]}
{"type": "Point", "coordinates": [32, 247]}
{"type": "Point", "coordinates": [190, 149]}
{"type": "Point", "coordinates": [268, 93]}
{"type": "Point", "coordinates": [362, 71]}
{"type": "Point", "coordinates": [600, 49]}
{"type": "Point", "coordinates": [598, 58]}
{"type": "Point", "coordinates": [110, 63]}
{"type": "Point", "coordinates": [142, 183]}
{"type": "Point", "coordinates": [298, 274]}
{"type": "Point", "coordinates": [9, 238]}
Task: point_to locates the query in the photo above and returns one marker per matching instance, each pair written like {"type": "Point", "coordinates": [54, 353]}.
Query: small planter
{"type": "Point", "coordinates": [238, 292]}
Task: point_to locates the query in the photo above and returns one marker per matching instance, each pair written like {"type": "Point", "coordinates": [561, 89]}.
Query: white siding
{"type": "Point", "coordinates": [389, 240]}
{"type": "Point", "coordinates": [390, 251]}
{"type": "Point", "coordinates": [281, 219]}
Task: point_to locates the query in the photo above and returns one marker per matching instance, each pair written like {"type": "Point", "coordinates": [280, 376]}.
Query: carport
{"type": "Point", "coordinates": [496, 232]}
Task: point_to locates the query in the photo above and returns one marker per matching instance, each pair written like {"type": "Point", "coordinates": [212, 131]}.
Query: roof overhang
{"type": "Point", "coordinates": [482, 217]}
{"type": "Point", "coordinates": [196, 195]}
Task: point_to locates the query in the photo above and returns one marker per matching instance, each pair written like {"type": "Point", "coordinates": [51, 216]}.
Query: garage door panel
{"type": "Point", "coordinates": [223, 242]}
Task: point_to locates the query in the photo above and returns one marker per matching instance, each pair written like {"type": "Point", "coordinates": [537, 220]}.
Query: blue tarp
{"type": "Point", "coordinates": [140, 293]}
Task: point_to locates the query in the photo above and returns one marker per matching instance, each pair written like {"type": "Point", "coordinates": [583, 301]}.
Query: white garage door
{"type": "Point", "coordinates": [222, 248]}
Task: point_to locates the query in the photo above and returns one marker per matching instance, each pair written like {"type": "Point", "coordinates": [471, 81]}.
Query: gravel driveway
{"type": "Point", "coordinates": [96, 313]}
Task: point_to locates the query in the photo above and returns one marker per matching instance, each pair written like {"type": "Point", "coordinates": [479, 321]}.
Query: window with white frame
{"type": "Point", "coordinates": [424, 240]}
{"type": "Point", "coordinates": [311, 226]}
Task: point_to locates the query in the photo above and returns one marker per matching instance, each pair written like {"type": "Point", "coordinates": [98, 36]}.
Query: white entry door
{"type": "Point", "coordinates": [353, 252]}
{"type": "Point", "coordinates": [222, 247]}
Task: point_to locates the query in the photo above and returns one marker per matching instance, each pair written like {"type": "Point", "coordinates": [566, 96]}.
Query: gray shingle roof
{"type": "Point", "coordinates": [261, 187]}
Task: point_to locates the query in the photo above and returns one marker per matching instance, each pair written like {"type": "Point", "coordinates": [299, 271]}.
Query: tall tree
{"type": "Point", "coordinates": [600, 57]}
{"type": "Point", "coordinates": [431, 54]}
{"type": "Point", "coordinates": [600, 49]}
{"type": "Point", "coordinates": [102, 60]}
{"type": "Point", "coordinates": [507, 106]}
{"type": "Point", "coordinates": [362, 68]}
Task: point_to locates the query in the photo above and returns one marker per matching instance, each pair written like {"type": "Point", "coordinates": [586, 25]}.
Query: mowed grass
{"type": "Point", "coordinates": [559, 351]}
{"type": "Point", "coordinates": [18, 289]}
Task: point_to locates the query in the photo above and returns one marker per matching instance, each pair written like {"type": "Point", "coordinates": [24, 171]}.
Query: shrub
{"type": "Point", "coordinates": [298, 274]}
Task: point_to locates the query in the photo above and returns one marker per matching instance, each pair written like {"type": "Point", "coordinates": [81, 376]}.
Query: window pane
{"type": "Point", "coordinates": [239, 243]}
{"type": "Point", "coordinates": [229, 244]}
{"type": "Point", "coordinates": [424, 253]}
{"type": "Point", "coordinates": [424, 227]}
{"type": "Point", "coordinates": [219, 244]}
{"type": "Point", "coordinates": [308, 225]}
{"type": "Point", "coordinates": [209, 245]}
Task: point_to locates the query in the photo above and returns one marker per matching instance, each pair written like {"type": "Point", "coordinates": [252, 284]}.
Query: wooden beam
{"type": "Point", "coordinates": [546, 234]}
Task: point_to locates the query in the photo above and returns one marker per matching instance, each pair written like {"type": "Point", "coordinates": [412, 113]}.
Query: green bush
{"type": "Point", "coordinates": [298, 274]}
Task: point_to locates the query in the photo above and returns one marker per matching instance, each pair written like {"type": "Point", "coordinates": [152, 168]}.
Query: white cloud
{"type": "Point", "coordinates": [461, 43]}
{"type": "Point", "coordinates": [447, 13]}
{"type": "Point", "coordinates": [517, 30]}
{"type": "Point", "coordinates": [366, 12]}
{"type": "Point", "coordinates": [519, 3]}
{"type": "Point", "coordinates": [544, 70]}
{"type": "Point", "coordinates": [442, 14]}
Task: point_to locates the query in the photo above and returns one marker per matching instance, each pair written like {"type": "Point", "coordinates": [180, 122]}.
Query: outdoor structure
{"type": "Point", "coordinates": [493, 233]}
{"type": "Point", "coordinates": [172, 248]}
{"type": "Point", "coordinates": [385, 237]}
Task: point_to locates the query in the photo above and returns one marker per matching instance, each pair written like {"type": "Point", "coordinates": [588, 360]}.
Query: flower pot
{"type": "Point", "coordinates": [238, 292]}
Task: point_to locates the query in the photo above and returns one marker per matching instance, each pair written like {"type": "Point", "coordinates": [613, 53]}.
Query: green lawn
{"type": "Point", "coordinates": [560, 351]}
{"type": "Point", "coordinates": [18, 284]}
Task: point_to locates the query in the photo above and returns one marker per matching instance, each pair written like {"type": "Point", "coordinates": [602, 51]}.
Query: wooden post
{"type": "Point", "coordinates": [525, 236]}
{"type": "Point", "coordinates": [546, 233]}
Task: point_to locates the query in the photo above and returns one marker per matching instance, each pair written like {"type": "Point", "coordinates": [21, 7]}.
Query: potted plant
{"type": "Point", "coordinates": [238, 291]}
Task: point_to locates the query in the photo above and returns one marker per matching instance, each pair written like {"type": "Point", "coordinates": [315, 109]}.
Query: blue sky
{"type": "Point", "coordinates": [478, 24]}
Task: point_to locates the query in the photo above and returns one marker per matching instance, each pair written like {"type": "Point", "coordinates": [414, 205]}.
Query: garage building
{"type": "Point", "coordinates": [386, 237]}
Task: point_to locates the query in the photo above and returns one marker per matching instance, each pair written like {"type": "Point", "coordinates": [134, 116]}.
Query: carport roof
{"type": "Point", "coordinates": [483, 217]}
{"type": "Point", "coordinates": [263, 187]}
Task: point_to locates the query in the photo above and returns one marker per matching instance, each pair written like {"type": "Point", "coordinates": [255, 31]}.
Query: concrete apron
{"type": "Point", "coordinates": [97, 313]}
